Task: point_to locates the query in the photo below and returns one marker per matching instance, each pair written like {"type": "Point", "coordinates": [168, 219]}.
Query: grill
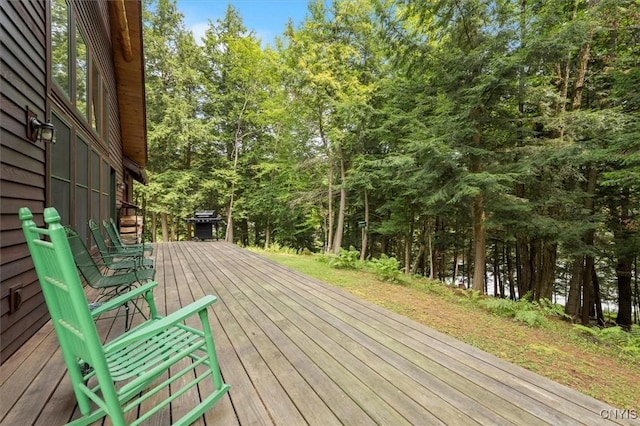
{"type": "Point", "coordinates": [205, 221]}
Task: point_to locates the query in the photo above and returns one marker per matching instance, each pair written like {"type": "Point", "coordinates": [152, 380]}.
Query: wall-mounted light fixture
{"type": "Point", "coordinates": [121, 185]}
{"type": "Point", "coordinates": [37, 130]}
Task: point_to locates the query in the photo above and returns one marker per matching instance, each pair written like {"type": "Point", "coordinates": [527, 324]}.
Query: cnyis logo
{"type": "Point", "coordinates": [618, 414]}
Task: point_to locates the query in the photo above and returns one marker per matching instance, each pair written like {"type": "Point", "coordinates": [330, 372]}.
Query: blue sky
{"type": "Point", "coordinates": [267, 18]}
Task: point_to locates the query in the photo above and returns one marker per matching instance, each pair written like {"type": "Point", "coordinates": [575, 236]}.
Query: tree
{"type": "Point", "coordinates": [335, 57]}
{"type": "Point", "coordinates": [233, 71]}
{"type": "Point", "coordinates": [472, 69]}
{"type": "Point", "coordinates": [448, 126]}
{"type": "Point", "coordinates": [174, 91]}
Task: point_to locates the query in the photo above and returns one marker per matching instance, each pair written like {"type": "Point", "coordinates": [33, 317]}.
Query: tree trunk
{"type": "Point", "coordinates": [479, 244]}
{"type": "Point", "coordinates": [325, 143]}
{"type": "Point", "coordinates": [498, 285]}
{"type": "Point", "coordinates": [407, 251]}
{"type": "Point", "coordinates": [479, 237]}
{"type": "Point", "coordinates": [587, 287]}
{"type": "Point", "coordinates": [267, 236]}
{"type": "Point", "coordinates": [244, 232]}
{"type": "Point", "coordinates": [237, 140]}
{"type": "Point", "coordinates": [587, 303]}
{"type": "Point", "coordinates": [467, 262]}
{"type": "Point", "coordinates": [637, 291]}
{"type": "Point", "coordinates": [422, 249]}
{"type": "Point", "coordinates": [456, 270]}
{"type": "Point", "coordinates": [572, 306]}
{"type": "Point", "coordinates": [431, 271]}
{"type": "Point", "coordinates": [523, 259]}
{"type": "Point", "coordinates": [598, 299]}
{"type": "Point", "coordinates": [512, 286]}
{"type": "Point", "coordinates": [173, 227]}
{"type": "Point", "coordinates": [623, 273]}
{"type": "Point", "coordinates": [365, 235]}
{"type": "Point", "coordinates": [547, 271]}
{"type": "Point", "coordinates": [337, 240]}
{"type": "Point", "coordinates": [229, 231]}
{"type": "Point", "coordinates": [419, 257]}
{"type": "Point", "coordinates": [535, 250]}
{"type": "Point", "coordinates": [436, 255]}
{"type": "Point", "coordinates": [165, 228]}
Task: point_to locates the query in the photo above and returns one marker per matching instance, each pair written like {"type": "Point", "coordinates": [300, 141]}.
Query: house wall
{"type": "Point", "coordinates": [22, 165]}
{"type": "Point", "coordinates": [25, 166]}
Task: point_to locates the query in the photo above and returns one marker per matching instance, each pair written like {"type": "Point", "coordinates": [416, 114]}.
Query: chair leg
{"type": "Point", "coordinates": [127, 325]}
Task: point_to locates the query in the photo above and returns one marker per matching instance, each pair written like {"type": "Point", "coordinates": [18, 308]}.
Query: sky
{"type": "Point", "coordinates": [267, 18]}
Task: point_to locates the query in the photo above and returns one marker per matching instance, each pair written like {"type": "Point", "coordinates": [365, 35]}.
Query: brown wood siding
{"type": "Point", "coordinates": [23, 168]}
{"type": "Point", "coordinates": [22, 164]}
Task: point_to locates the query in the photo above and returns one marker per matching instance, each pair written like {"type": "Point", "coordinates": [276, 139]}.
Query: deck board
{"type": "Point", "coordinates": [297, 351]}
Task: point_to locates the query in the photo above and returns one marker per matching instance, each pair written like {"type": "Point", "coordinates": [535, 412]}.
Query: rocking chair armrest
{"type": "Point", "coordinates": [138, 257]}
{"type": "Point", "coordinates": [94, 263]}
{"type": "Point", "coordinates": [153, 327]}
{"type": "Point", "coordinates": [115, 255]}
{"type": "Point", "coordinates": [114, 251]}
{"type": "Point", "coordinates": [123, 298]}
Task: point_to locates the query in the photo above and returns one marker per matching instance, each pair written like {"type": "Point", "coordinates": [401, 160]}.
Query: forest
{"type": "Point", "coordinates": [491, 144]}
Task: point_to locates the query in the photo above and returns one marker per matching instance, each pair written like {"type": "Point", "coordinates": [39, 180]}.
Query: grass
{"type": "Point", "coordinates": [553, 349]}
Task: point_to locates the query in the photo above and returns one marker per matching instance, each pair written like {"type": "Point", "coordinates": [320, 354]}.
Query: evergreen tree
{"type": "Point", "coordinates": [234, 89]}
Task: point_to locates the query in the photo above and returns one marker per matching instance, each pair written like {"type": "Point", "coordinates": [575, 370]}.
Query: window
{"type": "Point", "coordinates": [96, 105]}
{"type": "Point", "coordinates": [105, 113]}
{"type": "Point", "coordinates": [112, 193]}
{"type": "Point", "coordinates": [60, 45]}
{"type": "Point", "coordinates": [95, 186]}
{"type": "Point", "coordinates": [80, 177]}
{"type": "Point", "coordinates": [61, 170]}
{"type": "Point", "coordinates": [82, 65]}
{"type": "Point", "coordinates": [82, 187]}
{"type": "Point", "coordinates": [75, 70]}
{"type": "Point", "coordinates": [106, 190]}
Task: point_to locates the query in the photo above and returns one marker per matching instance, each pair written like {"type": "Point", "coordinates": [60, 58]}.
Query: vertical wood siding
{"type": "Point", "coordinates": [22, 164]}
{"type": "Point", "coordinates": [23, 168]}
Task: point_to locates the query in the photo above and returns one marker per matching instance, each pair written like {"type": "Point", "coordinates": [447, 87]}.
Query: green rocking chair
{"type": "Point", "coordinates": [120, 246]}
{"type": "Point", "coordinates": [129, 372]}
{"type": "Point", "coordinates": [100, 276]}
{"type": "Point", "coordinates": [111, 257]}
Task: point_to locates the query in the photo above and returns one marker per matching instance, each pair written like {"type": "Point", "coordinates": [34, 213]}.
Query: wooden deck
{"type": "Point", "coordinates": [297, 351]}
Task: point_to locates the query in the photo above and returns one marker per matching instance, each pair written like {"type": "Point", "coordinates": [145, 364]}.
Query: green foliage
{"type": "Point", "coordinates": [471, 295]}
{"type": "Point", "coordinates": [425, 105]}
{"type": "Point", "coordinates": [346, 259]}
{"type": "Point", "coordinates": [627, 341]}
{"type": "Point", "coordinates": [386, 268]}
{"type": "Point", "coordinates": [277, 248]}
{"type": "Point", "coordinates": [502, 307]}
{"type": "Point", "coordinates": [532, 313]}
{"type": "Point", "coordinates": [531, 318]}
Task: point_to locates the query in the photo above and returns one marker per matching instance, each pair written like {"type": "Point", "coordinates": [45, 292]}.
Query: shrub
{"type": "Point", "coordinates": [627, 342]}
{"type": "Point", "coordinates": [276, 247]}
{"type": "Point", "coordinates": [532, 313]}
{"type": "Point", "coordinates": [346, 259]}
{"type": "Point", "coordinates": [531, 318]}
{"type": "Point", "coordinates": [386, 268]}
{"type": "Point", "coordinates": [502, 307]}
